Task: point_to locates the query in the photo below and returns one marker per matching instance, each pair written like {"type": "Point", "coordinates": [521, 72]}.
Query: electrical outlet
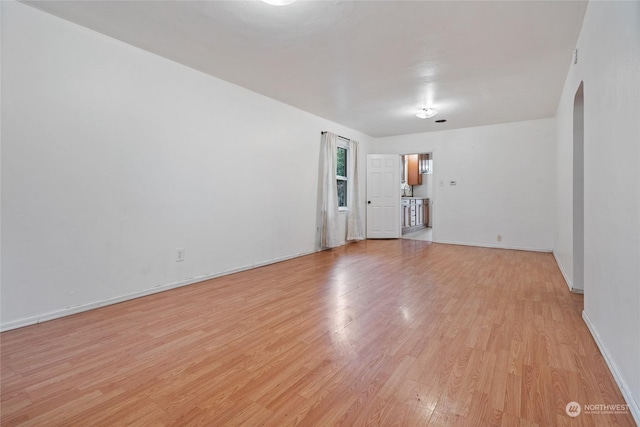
{"type": "Point", "coordinates": [499, 237]}
{"type": "Point", "coordinates": [179, 254]}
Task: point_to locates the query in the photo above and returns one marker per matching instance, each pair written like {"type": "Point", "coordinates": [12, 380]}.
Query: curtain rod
{"type": "Point", "coordinates": [323, 132]}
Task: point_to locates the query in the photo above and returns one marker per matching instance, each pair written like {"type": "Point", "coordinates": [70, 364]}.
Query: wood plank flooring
{"type": "Point", "coordinates": [395, 332]}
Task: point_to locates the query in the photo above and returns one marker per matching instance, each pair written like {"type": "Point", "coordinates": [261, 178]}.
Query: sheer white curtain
{"type": "Point", "coordinates": [330, 216]}
{"type": "Point", "coordinates": [355, 226]}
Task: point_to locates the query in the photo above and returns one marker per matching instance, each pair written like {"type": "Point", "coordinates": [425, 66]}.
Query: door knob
{"type": "Point", "coordinates": [369, 202]}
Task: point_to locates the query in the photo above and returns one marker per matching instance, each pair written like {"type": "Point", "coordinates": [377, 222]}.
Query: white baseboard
{"type": "Point", "coordinates": [488, 245]}
{"type": "Point", "coordinates": [622, 385]}
{"type": "Point", "coordinates": [564, 274]}
{"type": "Point", "coordinates": [32, 320]}
{"type": "Point", "coordinates": [566, 278]}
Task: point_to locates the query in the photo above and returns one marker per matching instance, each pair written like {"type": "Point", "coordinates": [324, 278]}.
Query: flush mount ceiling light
{"type": "Point", "coordinates": [426, 113]}
{"type": "Point", "coordinates": [279, 2]}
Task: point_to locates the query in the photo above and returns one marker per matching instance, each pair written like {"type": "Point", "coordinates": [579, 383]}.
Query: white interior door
{"type": "Point", "coordinates": [383, 196]}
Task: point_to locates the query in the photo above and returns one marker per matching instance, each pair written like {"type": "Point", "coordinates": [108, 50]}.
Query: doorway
{"type": "Point", "coordinates": [417, 188]}
{"type": "Point", "coordinates": [578, 191]}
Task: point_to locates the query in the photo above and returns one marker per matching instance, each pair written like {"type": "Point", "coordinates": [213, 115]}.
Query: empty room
{"type": "Point", "coordinates": [320, 213]}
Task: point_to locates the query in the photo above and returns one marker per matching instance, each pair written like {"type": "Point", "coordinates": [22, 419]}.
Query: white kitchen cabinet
{"type": "Point", "coordinates": [415, 214]}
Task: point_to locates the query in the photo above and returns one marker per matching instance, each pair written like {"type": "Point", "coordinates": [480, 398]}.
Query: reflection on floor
{"type": "Point", "coordinates": [425, 234]}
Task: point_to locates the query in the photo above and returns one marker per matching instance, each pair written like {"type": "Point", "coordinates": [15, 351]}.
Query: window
{"type": "Point", "coordinates": [342, 174]}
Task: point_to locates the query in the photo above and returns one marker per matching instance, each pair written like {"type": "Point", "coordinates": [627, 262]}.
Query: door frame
{"type": "Point", "coordinates": [577, 285]}
{"type": "Point", "coordinates": [435, 186]}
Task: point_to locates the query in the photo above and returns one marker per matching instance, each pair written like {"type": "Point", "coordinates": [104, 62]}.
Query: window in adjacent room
{"type": "Point", "coordinates": [342, 174]}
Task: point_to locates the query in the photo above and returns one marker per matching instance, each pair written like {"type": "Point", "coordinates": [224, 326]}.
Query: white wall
{"type": "Point", "coordinates": [113, 157]}
{"type": "Point", "coordinates": [505, 182]}
{"type": "Point", "coordinates": [609, 65]}
{"type": "Point", "coordinates": [423, 189]}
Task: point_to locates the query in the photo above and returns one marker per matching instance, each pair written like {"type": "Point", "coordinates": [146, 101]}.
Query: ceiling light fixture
{"type": "Point", "coordinates": [279, 2]}
{"type": "Point", "coordinates": [426, 113]}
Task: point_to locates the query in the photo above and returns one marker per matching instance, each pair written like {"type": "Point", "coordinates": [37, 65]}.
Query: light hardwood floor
{"type": "Point", "coordinates": [395, 332]}
{"type": "Point", "coordinates": [426, 235]}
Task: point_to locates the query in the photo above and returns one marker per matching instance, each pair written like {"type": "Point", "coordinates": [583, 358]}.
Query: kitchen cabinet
{"type": "Point", "coordinates": [406, 213]}
{"type": "Point", "coordinates": [420, 213]}
{"type": "Point", "coordinates": [414, 177]}
{"type": "Point", "coordinates": [415, 214]}
{"type": "Point", "coordinates": [426, 212]}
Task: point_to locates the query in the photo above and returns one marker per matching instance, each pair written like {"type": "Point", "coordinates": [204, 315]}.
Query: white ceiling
{"type": "Point", "coordinates": [369, 65]}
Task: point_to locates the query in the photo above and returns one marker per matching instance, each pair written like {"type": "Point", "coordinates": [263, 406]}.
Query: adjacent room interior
{"type": "Point", "coordinates": [320, 213]}
{"type": "Point", "coordinates": [417, 196]}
